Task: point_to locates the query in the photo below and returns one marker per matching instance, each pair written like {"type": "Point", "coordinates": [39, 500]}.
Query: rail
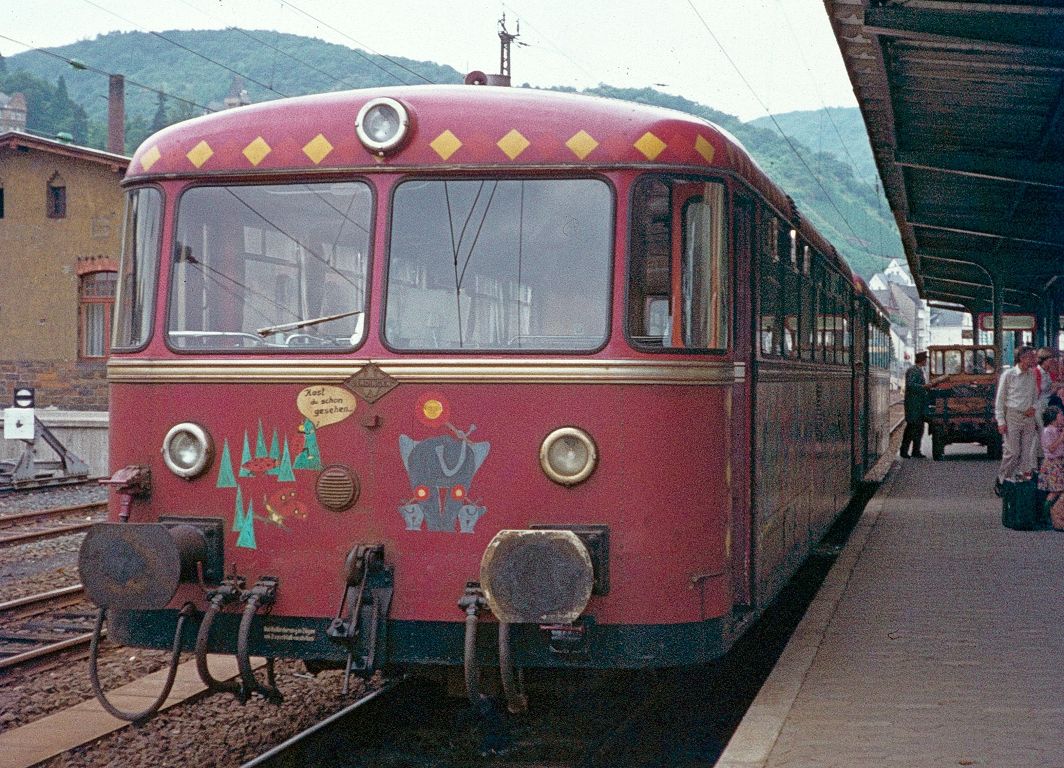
{"type": "Point", "coordinates": [32, 605]}
{"type": "Point", "coordinates": [44, 515]}
{"type": "Point", "coordinates": [303, 736]}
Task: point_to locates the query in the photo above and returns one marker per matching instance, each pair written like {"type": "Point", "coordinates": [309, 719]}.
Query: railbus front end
{"type": "Point", "coordinates": [458, 376]}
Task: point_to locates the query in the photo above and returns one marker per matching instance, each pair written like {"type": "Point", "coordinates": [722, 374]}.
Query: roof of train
{"type": "Point", "coordinates": [453, 127]}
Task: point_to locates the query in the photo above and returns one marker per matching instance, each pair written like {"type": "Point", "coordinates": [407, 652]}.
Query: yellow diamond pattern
{"type": "Point", "coordinates": [257, 150]}
{"type": "Point", "coordinates": [200, 154]}
{"type": "Point", "coordinates": [582, 144]}
{"type": "Point", "coordinates": [650, 145]}
{"type": "Point", "coordinates": [317, 148]}
{"type": "Point", "coordinates": [150, 158]}
{"type": "Point", "coordinates": [513, 144]}
{"type": "Point", "coordinates": [705, 149]}
{"type": "Point", "coordinates": [445, 145]}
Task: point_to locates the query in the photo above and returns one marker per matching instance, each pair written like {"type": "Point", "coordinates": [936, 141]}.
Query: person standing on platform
{"type": "Point", "coordinates": [1043, 383]}
{"type": "Point", "coordinates": [1051, 476]}
{"type": "Point", "coordinates": [915, 407]}
{"type": "Point", "coordinates": [1014, 412]}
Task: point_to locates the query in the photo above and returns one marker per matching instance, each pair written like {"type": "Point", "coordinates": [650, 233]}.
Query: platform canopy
{"type": "Point", "coordinates": [964, 104]}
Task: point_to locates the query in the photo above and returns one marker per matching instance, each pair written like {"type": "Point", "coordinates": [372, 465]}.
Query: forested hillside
{"type": "Point", "coordinates": [824, 163]}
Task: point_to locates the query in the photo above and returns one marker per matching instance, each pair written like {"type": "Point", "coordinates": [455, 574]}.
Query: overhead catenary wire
{"type": "Point", "coordinates": [276, 49]}
{"type": "Point", "coordinates": [857, 239]}
{"type": "Point", "coordinates": [76, 64]}
{"type": "Point", "coordinates": [186, 48]}
{"type": "Point", "coordinates": [362, 45]}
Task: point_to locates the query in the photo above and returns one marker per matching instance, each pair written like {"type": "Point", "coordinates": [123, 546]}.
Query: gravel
{"type": "Point", "coordinates": [216, 730]}
{"type": "Point", "coordinates": [207, 730]}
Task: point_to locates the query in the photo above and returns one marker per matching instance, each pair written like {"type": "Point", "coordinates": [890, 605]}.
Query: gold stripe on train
{"type": "Point", "coordinates": [428, 370]}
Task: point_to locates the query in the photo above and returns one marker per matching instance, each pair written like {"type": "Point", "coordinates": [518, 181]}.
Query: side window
{"type": "Point", "coordinates": [768, 275]}
{"type": "Point", "coordinates": [792, 296]}
{"type": "Point", "coordinates": [138, 267]}
{"type": "Point", "coordinates": [705, 283]}
{"type": "Point", "coordinates": [96, 296]}
{"type": "Point", "coordinates": [806, 320]}
{"type": "Point", "coordinates": [55, 197]}
{"type": "Point", "coordinates": [680, 276]}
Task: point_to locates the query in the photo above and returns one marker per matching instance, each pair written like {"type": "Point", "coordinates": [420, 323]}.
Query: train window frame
{"type": "Point", "coordinates": [556, 346]}
{"type": "Point", "coordinates": [125, 315]}
{"type": "Point", "coordinates": [806, 310]}
{"type": "Point", "coordinates": [644, 298]}
{"type": "Point", "coordinates": [262, 346]}
{"type": "Point", "coordinates": [767, 263]}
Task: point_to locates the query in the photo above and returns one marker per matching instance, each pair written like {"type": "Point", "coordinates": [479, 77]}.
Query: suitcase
{"type": "Point", "coordinates": [1019, 505]}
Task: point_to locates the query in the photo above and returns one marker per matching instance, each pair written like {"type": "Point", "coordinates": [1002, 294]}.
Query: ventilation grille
{"type": "Point", "coordinates": [337, 488]}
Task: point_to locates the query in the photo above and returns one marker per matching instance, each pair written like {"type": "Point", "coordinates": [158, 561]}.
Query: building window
{"type": "Point", "coordinates": [56, 198]}
{"type": "Point", "coordinates": [96, 300]}
{"type": "Point", "coordinates": [1, 202]}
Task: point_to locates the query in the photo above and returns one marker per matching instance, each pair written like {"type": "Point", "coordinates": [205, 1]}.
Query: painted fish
{"type": "Point", "coordinates": [259, 465]}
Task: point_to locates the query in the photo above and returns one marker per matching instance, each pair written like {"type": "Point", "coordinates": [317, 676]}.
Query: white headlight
{"type": "Point", "coordinates": [187, 450]}
{"type": "Point", "coordinates": [382, 124]}
{"type": "Point", "coordinates": [568, 455]}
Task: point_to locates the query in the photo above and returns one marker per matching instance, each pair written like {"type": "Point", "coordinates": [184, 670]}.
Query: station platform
{"type": "Point", "coordinates": [937, 639]}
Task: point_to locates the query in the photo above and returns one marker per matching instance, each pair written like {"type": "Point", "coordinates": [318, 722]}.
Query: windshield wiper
{"type": "Point", "coordinates": [304, 323]}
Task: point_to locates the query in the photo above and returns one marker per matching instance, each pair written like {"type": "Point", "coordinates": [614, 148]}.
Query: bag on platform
{"type": "Point", "coordinates": [1019, 505]}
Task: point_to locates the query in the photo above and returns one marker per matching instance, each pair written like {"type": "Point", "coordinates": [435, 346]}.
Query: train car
{"type": "Point", "coordinates": [465, 376]}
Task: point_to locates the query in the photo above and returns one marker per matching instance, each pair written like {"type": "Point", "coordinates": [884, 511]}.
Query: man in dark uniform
{"type": "Point", "coordinates": [915, 407]}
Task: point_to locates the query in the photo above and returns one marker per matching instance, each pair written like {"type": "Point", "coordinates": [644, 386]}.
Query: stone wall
{"type": "Point", "coordinates": [69, 385]}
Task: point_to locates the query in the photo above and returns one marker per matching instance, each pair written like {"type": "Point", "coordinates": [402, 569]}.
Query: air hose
{"type": "Point", "coordinates": [94, 677]}
{"type": "Point", "coordinates": [214, 685]}
{"type": "Point", "coordinates": [243, 656]}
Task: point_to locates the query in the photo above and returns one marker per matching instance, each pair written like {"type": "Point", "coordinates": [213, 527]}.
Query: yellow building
{"type": "Point", "coordinates": [60, 235]}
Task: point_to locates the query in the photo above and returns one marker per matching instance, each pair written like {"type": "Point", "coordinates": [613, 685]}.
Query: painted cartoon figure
{"type": "Point", "coordinates": [441, 470]}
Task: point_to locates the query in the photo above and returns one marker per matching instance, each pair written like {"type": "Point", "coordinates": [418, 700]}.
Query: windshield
{"type": "Point", "coordinates": [499, 264]}
{"type": "Point", "coordinates": [270, 267]}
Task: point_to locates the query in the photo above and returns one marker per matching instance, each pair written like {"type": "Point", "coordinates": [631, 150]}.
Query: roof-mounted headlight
{"type": "Point", "coordinates": [187, 450]}
{"type": "Point", "coordinates": [382, 124]}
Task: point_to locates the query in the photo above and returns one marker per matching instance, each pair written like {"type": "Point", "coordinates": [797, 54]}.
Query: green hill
{"type": "Point", "coordinates": [834, 187]}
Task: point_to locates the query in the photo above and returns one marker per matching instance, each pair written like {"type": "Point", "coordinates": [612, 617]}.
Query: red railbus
{"type": "Point", "coordinates": [454, 376]}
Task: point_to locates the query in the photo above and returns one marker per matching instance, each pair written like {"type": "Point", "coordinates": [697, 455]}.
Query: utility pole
{"type": "Point", "coordinates": [505, 38]}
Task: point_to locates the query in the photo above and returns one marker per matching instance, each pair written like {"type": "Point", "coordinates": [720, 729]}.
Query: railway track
{"type": "Point", "coordinates": [37, 525]}
{"type": "Point", "coordinates": [294, 751]}
{"type": "Point", "coordinates": [36, 627]}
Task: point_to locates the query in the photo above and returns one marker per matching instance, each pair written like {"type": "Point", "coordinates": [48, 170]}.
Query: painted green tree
{"type": "Point", "coordinates": [247, 528]}
{"type": "Point", "coordinates": [284, 472]}
{"type": "Point", "coordinates": [238, 516]}
{"type": "Point", "coordinates": [260, 443]}
{"type": "Point", "coordinates": [275, 454]}
{"type": "Point", "coordinates": [245, 457]}
{"type": "Point", "coordinates": [225, 469]}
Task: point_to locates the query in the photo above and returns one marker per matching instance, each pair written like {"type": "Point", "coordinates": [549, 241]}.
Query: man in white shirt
{"type": "Point", "coordinates": [1014, 411]}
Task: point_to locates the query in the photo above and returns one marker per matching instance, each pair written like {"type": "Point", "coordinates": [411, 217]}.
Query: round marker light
{"type": "Point", "coordinates": [382, 124]}
{"type": "Point", "coordinates": [187, 450]}
{"type": "Point", "coordinates": [568, 456]}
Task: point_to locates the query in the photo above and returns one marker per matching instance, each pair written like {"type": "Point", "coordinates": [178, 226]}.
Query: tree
{"type": "Point", "coordinates": [160, 121]}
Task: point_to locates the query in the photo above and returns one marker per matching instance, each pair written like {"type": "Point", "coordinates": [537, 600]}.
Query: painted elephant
{"type": "Point", "coordinates": [441, 471]}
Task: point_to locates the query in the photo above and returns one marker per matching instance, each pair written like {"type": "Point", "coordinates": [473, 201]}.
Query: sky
{"type": "Point", "coordinates": [747, 58]}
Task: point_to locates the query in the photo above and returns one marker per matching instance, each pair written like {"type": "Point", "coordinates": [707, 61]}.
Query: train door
{"type": "Point", "coordinates": [741, 541]}
{"type": "Point", "coordinates": [701, 320]}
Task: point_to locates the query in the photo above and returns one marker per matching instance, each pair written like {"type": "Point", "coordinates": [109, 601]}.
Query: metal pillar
{"type": "Point", "coordinates": [999, 333]}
